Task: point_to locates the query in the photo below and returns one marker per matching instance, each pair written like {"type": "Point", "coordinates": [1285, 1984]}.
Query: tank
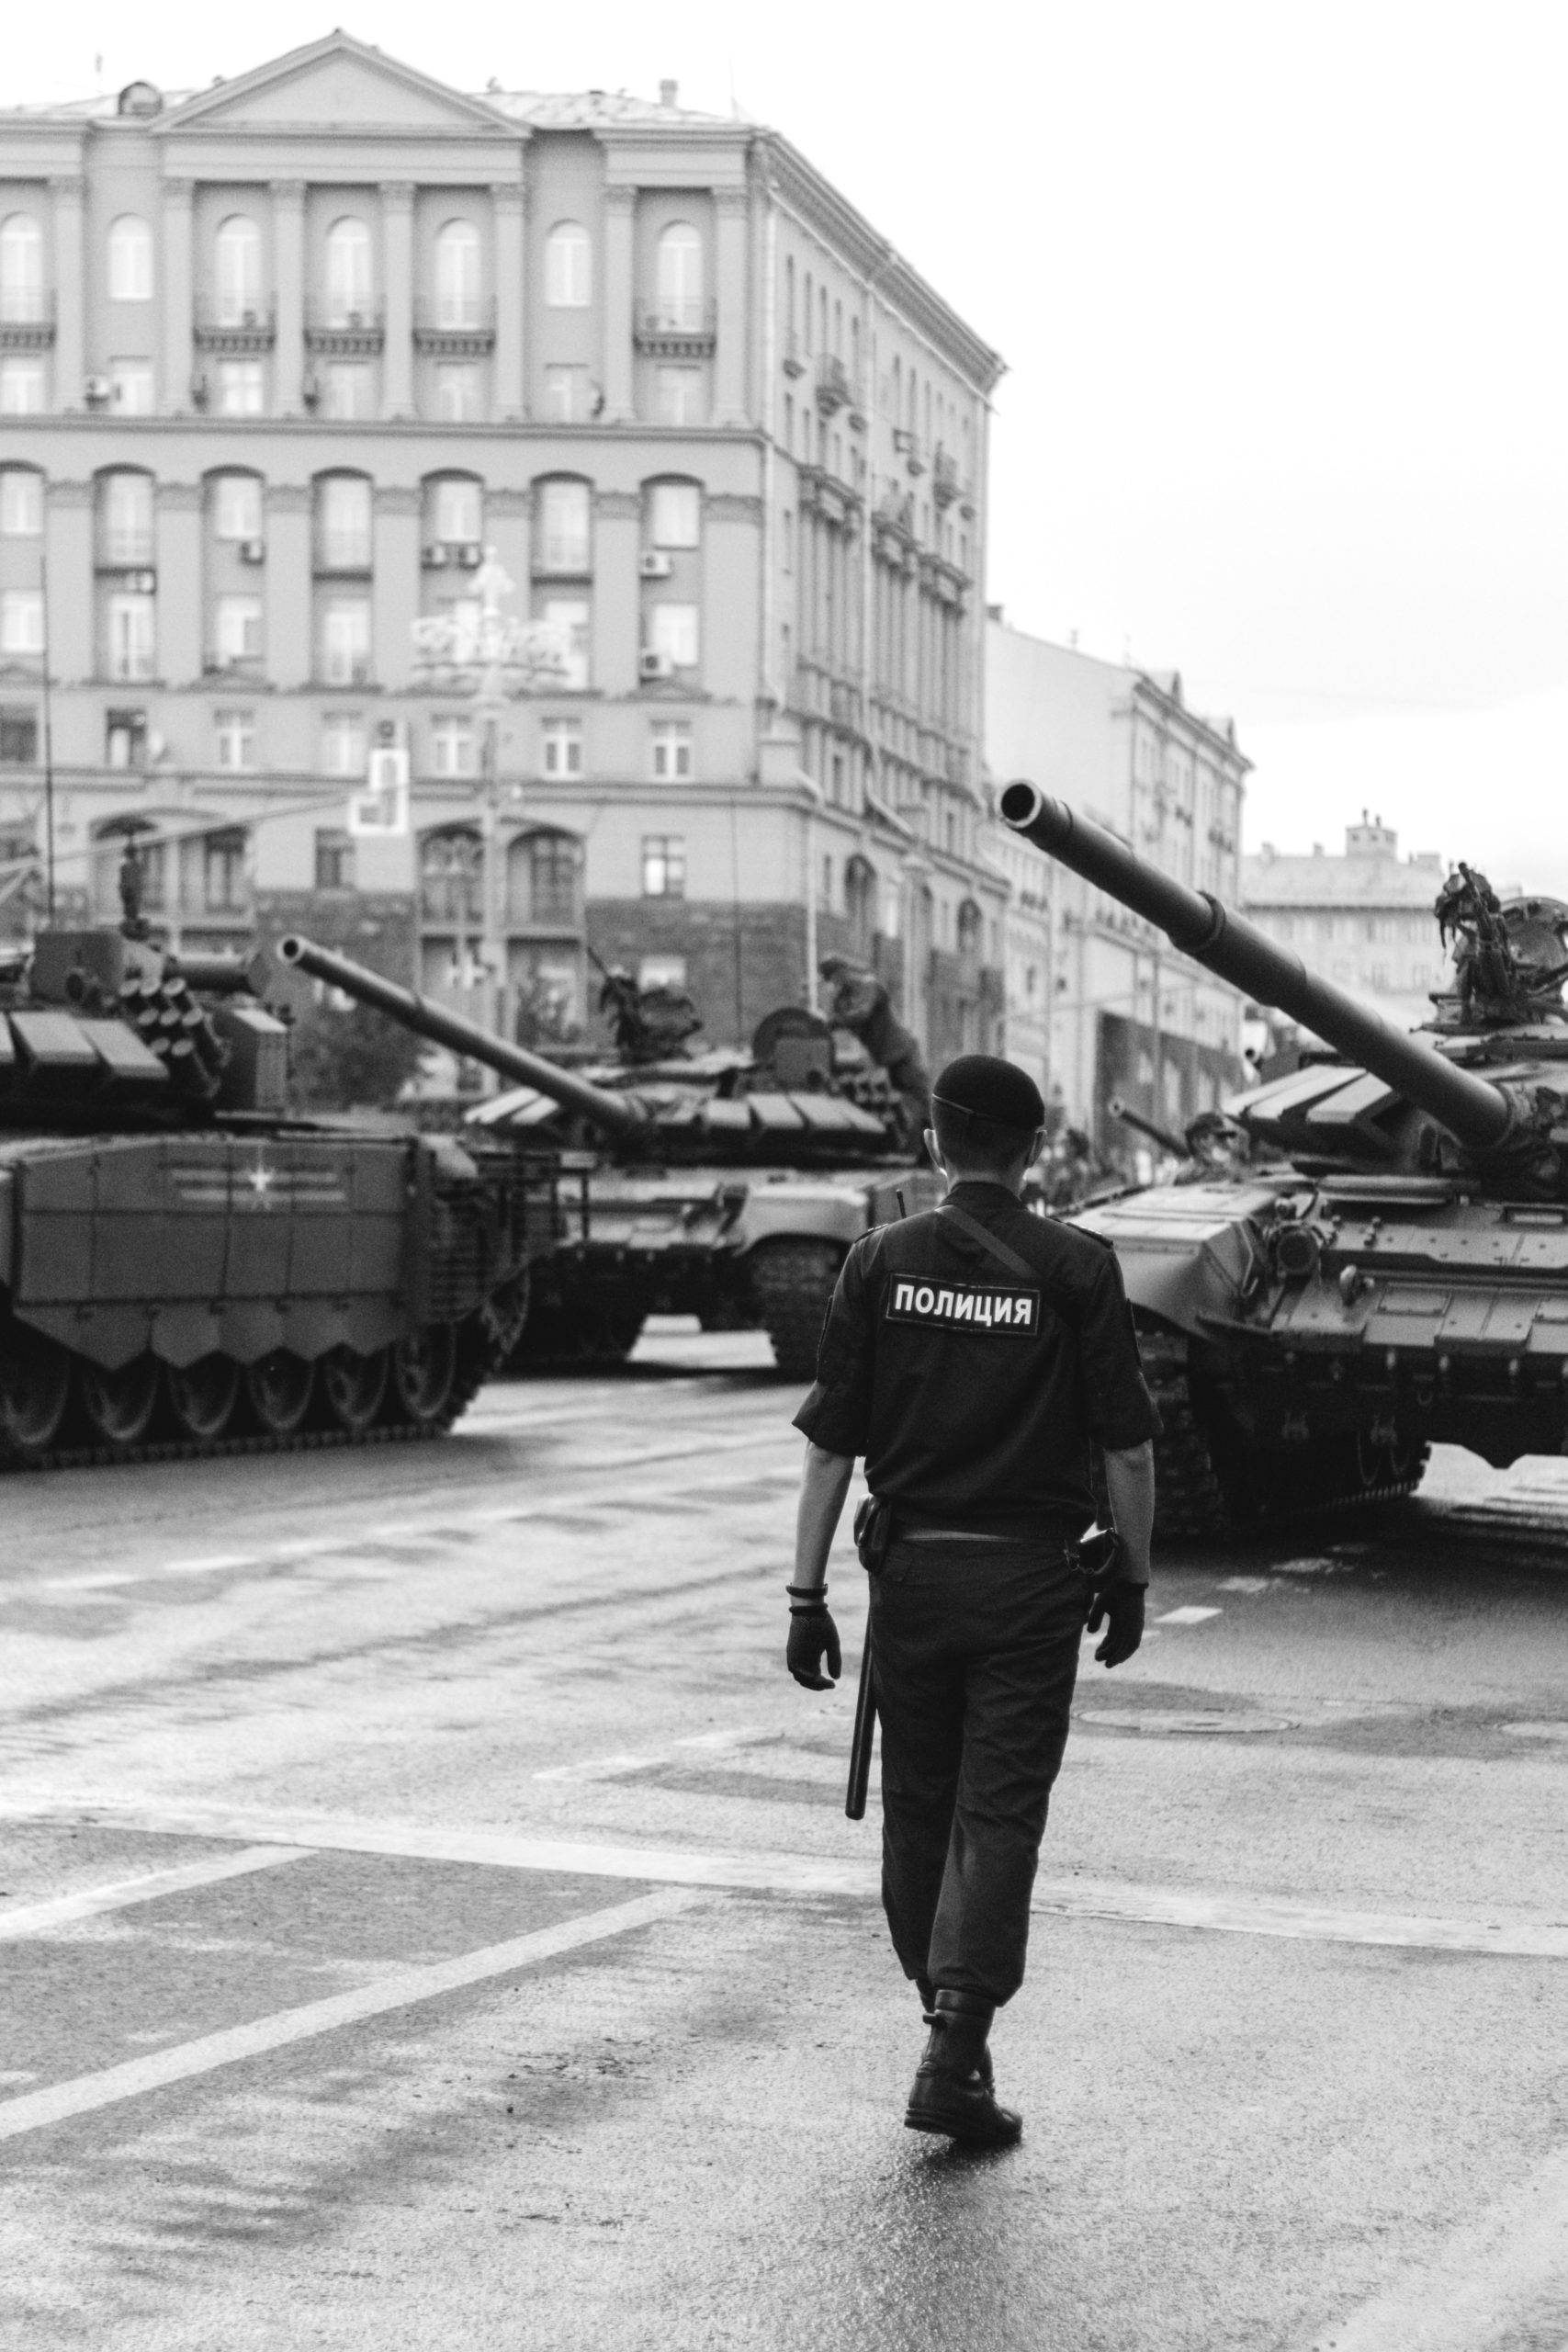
{"type": "Point", "coordinates": [724, 1184]}
{"type": "Point", "coordinates": [1380, 1259]}
{"type": "Point", "coordinates": [186, 1269]}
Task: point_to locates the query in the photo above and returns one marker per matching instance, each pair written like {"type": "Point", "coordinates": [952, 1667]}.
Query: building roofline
{"type": "Point", "coordinates": [1220, 733]}
{"type": "Point", "coordinates": [336, 43]}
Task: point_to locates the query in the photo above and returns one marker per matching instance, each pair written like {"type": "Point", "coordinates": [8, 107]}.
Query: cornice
{"type": "Point", "coordinates": [732, 506]}
{"type": "Point", "coordinates": [396, 498]}
{"type": "Point", "coordinates": [178, 497]}
{"type": "Point", "coordinates": [617, 505]}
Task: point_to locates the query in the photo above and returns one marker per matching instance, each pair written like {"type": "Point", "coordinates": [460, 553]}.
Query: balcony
{"type": "Point", "coordinates": [834, 389]}
{"type": "Point", "coordinates": [27, 318]}
{"type": "Point", "coordinates": [238, 330]}
{"type": "Point", "coordinates": [909, 446]}
{"type": "Point", "coordinates": [794, 355]}
{"type": "Point", "coordinates": [686, 328]}
{"type": "Point", "coordinates": [944, 477]}
{"type": "Point", "coordinates": [454, 330]}
{"type": "Point", "coordinates": [343, 331]}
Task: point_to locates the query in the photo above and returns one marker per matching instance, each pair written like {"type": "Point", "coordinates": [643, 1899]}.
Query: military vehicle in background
{"type": "Point", "coordinates": [725, 1185]}
{"type": "Point", "coordinates": [1400, 1274]}
{"type": "Point", "coordinates": [186, 1269]}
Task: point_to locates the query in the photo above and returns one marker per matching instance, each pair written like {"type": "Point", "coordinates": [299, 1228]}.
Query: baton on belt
{"type": "Point", "coordinates": [865, 1734]}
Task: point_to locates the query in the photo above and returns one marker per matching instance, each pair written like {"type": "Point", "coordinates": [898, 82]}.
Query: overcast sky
{"type": "Point", "coordinates": [1282, 297]}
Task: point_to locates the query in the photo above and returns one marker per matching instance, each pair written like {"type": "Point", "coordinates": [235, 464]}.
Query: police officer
{"type": "Point", "coordinates": [973, 1355]}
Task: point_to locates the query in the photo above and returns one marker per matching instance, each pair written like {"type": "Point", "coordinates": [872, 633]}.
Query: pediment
{"type": "Point", "coordinates": [338, 84]}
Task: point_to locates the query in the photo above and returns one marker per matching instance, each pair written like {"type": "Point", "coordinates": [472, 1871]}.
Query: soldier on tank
{"type": "Point", "coordinates": [973, 1355]}
{"type": "Point", "coordinates": [862, 1004]}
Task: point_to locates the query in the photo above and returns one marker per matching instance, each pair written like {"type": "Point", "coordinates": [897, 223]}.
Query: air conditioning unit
{"type": "Point", "coordinates": [655, 564]}
{"type": "Point", "coordinates": [655, 665]}
{"type": "Point", "coordinates": [141, 583]}
{"type": "Point", "coordinates": [471, 555]}
{"type": "Point", "coordinates": [253, 550]}
{"type": "Point", "coordinates": [435, 556]}
{"type": "Point", "coordinates": [97, 389]}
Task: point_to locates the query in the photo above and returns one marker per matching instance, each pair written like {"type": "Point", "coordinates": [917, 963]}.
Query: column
{"type": "Point", "coordinates": [68, 525]}
{"type": "Point", "coordinates": [620, 215]}
{"type": "Point", "coordinates": [176, 294]}
{"type": "Point", "coordinates": [618, 594]}
{"type": "Point", "coordinates": [182, 599]}
{"type": "Point", "coordinates": [508, 404]}
{"type": "Point", "coordinates": [289, 598]}
{"type": "Point", "coordinates": [70, 320]}
{"type": "Point", "coordinates": [732, 571]}
{"type": "Point", "coordinates": [732, 206]}
{"type": "Point", "coordinates": [397, 245]}
{"type": "Point", "coordinates": [289, 294]}
{"type": "Point", "coordinates": [395, 606]}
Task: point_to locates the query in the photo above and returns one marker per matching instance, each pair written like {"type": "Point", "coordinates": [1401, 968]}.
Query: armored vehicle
{"type": "Point", "coordinates": [1399, 1273]}
{"type": "Point", "coordinates": [727, 1185]}
{"type": "Point", "coordinates": [184, 1268]}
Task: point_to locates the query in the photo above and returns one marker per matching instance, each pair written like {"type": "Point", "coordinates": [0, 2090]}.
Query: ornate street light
{"type": "Point", "coordinates": [481, 652]}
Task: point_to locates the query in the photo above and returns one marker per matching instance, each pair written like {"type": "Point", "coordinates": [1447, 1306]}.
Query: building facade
{"type": "Point", "coordinates": [1364, 920]}
{"type": "Point", "coordinates": [1098, 1003]}
{"type": "Point", "coordinates": [280, 360]}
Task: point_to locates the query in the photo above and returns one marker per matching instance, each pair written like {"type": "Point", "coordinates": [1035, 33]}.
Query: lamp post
{"type": "Point", "coordinates": [479, 649]}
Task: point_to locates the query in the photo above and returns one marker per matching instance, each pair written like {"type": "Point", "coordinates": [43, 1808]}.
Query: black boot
{"type": "Point", "coordinates": [952, 2090]}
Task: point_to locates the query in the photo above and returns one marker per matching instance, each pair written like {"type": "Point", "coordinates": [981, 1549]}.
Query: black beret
{"type": "Point", "coordinates": [988, 1088]}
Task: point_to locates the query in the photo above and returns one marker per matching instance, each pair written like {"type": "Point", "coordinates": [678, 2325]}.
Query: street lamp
{"type": "Point", "coordinates": [477, 649]}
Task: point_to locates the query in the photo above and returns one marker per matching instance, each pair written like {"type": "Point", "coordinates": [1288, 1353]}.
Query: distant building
{"type": "Point", "coordinates": [281, 357]}
{"type": "Point", "coordinates": [1098, 1003]}
{"type": "Point", "coordinates": [1363, 921]}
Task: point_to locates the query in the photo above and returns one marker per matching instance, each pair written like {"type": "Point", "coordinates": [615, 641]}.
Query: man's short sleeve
{"type": "Point", "coordinates": [1122, 1413]}
{"type": "Point", "coordinates": [836, 1412]}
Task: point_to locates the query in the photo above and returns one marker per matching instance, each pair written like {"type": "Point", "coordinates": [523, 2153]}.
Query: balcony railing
{"type": "Point", "coordinates": [27, 318]}
{"type": "Point", "coordinates": [461, 330]}
{"type": "Point", "coordinates": [944, 477]}
{"type": "Point", "coordinates": [349, 330]}
{"type": "Point", "coordinates": [236, 328]}
{"type": "Point", "coordinates": [908, 445]}
{"type": "Point", "coordinates": [834, 388]}
{"type": "Point", "coordinates": [685, 328]}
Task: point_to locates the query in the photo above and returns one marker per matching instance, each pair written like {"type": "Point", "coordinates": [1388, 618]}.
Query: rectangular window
{"type": "Point", "coordinates": [131, 636]}
{"type": "Point", "coordinates": [347, 391]}
{"type": "Point", "coordinates": [21, 621]}
{"type": "Point", "coordinates": [552, 877]}
{"type": "Point", "coordinates": [564, 527]}
{"type": "Point", "coordinates": [675, 515]}
{"type": "Point", "coordinates": [236, 739]}
{"type": "Point", "coordinates": [237, 508]}
{"type": "Point", "coordinates": [457, 393]}
{"type": "Point", "coordinates": [672, 631]}
{"type": "Point", "coordinates": [343, 743]}
{"type": "Point", "coordinates": [459, 518]}
{"type": "Point", "coordinates": [567, 395]}
{"type": "Point", "coordinates": [452, 747]}
{"type": "Point", "coordinates": [238, 633]}
{"type": "Point", "coordinates": [21, 388]}
{"type": "Point", "coordinates": [672, 751]}
{"type": "Point", "coordinates": [241, 388]}
{"type": "Point", "coordinates": [343, 524]}
{"type": "Point", "coordinates": [663, 865]}
{"type": "Point", "coordinates": [21, 503]}
{"type": "Point", "coordinates": [132, 383]}
{"type": "Point", "coordinates": [223, 873]}
{"type": "Point", "coordinates": [128, 519]}
{"type": "Point", "coordinates": [570, 614]}
{"type": "Point", "coordinates": [678, 393]}
{"type": "Point", "coordinates": [345, 642]}
{"type": "Point", "coordinates": [335, 859]}
{"type": "Point", "coordinates": [125, 739]}
{"type": "Point", "coordinates": [561, 744]}
{"type": "Point", "coordinates": [19, 735]}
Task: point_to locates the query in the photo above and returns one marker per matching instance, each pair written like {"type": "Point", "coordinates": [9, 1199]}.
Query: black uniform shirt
{"type": "Point", "coordinates": [972, 1391]}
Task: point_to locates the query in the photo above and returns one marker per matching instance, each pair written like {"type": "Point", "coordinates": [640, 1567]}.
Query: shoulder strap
{"type": "Point", "coordinates": [987, 1240]}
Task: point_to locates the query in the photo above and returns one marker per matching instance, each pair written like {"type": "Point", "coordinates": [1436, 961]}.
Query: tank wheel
{"type": "Point", "coordinates": [201, 1397]}
{"type": "Point", "coordinates": [35, 1389]}
{"type": "Point", "coordinates": [278, 1390]}
{"type": "Point", "coordinates": [424, 1374]}
{"type": "Point", "coordinates": [353, 1387]}
{"type": "Point", "coordinates": [792, 1282]}
{"type": "Point", "coordinates": [119, 1406]}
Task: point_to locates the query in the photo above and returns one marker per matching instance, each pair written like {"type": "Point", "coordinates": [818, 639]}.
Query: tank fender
{"type": "Point", "coordinates": [836, 1213]}
{"type": "Point", "coordinates": [1181, 1260]}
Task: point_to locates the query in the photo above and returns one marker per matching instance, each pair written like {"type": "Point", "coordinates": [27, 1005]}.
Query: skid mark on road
{"type": "Point", "coordinates": [36, 2111]}
{"type": "Point", "coordinates": [90, 1902]}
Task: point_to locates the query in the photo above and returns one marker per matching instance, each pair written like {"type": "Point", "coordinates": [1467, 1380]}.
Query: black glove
{"type": "Point", "coordinates": [1123, 1604]}
{"type": "Point", "coordinates": [812, 1643]}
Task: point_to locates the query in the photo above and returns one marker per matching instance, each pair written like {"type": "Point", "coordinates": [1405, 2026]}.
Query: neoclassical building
{"type": "Point", "coordinates": [280, 359]}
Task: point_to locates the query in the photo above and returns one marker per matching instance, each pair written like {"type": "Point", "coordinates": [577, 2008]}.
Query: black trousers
{"type": "Point", "coordinates": [976, 1650]}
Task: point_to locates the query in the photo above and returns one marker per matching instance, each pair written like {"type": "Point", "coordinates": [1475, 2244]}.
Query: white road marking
{"type": "Point", "coordinates": [1247, 1584]}
{"type": "Point", "coordinates": [63, 1910]}
{"type": "Point", "coordinates": [1489, 2281]}
{"type": "Point", "coordinates": [610, 1768]}
{"type": "Point", "coordinates": [36, 2109]}
{"type": "Point", "coordinates": [1557, 1732]}
{"type": "Point", "coordinates": [1516, 1935]}
{"type": "Point", "coordinates": [1191, 1615]}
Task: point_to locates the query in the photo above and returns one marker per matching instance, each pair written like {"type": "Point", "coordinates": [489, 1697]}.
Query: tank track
{"type": "Point", "coordinates": [792, 1282]}
{"type": "Point", "coordinates": [1199, 1492]}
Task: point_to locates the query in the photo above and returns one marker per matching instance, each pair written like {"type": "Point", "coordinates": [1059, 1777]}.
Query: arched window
{"type": "Point", "coordinates": [457, 275]}
{"type": "Point", "coordinates": [681, 276]}
{"type": "Point", "coordinates": [860, 903]}
{"type": "Point", "coordinates": [125, 520]}
{"type": "Point", "coordinates": [130, 259]}
{"type": "Point", "coordinates": [969, 931]}
{"type": "Point", "coordinates": [21, 268]}
{"type": "Point", "coordinates": [343, 523]}
{"type": "Point", "coordinates": [348, 272]}
{"type": "Point", "coordinates": [565, 527]}
{"type": "Point", "coordinates": [237, 263]}
{"type": "Point", "coordinates": [21, 503]}
{"type": "Point", "coordinates": [543, 881]}
{"type": "Point", "coordinates": [568, 267]}
{"type": "Point", "coordinates": [454, 510]}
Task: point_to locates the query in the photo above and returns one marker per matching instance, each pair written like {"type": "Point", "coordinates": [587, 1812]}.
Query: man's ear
{"type": "Point", "coordinates": [1035, 1148]}
{"type": "Point", "coordinates": [935, 1152]}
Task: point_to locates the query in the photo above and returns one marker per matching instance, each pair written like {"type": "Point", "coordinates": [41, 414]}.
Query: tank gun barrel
{"type": "Point", "coordinates": [1476, 1112]}
{"type": "Point", "coordinates": [223, 974]}
{"type": "Point", "coordinates": [1156, 1134]}
{"type": "Point", "coordinates": [611, 1112]}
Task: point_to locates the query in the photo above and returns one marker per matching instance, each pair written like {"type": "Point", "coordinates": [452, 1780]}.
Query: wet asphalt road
{"type": "Point", "coordinates": [428, 1917]}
